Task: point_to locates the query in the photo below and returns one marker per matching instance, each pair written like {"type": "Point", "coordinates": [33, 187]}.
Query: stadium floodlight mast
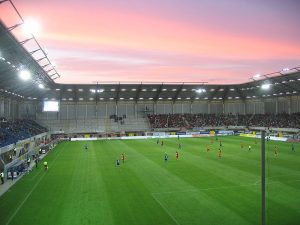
{"type": "Point", "coordinates": [25, 75]}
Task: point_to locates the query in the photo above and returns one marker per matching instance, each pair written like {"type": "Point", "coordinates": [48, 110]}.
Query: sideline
{"type": "Point", "coordinates": [31, 191]}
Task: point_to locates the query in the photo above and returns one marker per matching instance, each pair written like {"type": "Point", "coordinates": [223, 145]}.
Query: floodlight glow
{"type": "Point", "coordinates": [201, 90]}
{"type": "Point", "coordinates": [265, 86]}
{"type": "Point", "coordinates": [31, 26]}
{"type": "Point", "coordinates": [41, 86]}
{"type": "Point", "coordinates": [24, 74]}
{"type": "Point", "coordinates": [256, 75]}
{"type": "Point", "coordinates": [285, 69]}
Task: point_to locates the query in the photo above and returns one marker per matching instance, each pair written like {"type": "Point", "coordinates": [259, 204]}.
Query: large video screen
{"type": "Point", "coordinates": [51, 106]}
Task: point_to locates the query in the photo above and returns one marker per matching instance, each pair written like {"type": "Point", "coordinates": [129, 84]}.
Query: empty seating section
{"type": "Point", "coordinates": [212, 120]}
{"type": "Point", "coordinates": [96, 125]}
{"type": "Point", "coordinates": [12, 131]}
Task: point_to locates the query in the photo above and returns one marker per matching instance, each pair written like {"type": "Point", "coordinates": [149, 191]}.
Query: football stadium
{"type": "Point", "coordinates": [149, 112]}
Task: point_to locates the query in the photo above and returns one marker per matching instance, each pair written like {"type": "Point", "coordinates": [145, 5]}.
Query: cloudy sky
{"type": "Point", "coordinates": [224, 41]}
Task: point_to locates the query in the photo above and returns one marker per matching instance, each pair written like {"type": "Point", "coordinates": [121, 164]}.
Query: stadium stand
{"type": "Point", "coordinates": [282, 120]}
{"type": "Point", "coordinates": [13, 130]}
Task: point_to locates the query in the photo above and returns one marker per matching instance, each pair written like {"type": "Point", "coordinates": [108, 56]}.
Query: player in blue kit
{"type": "Point", "coordinates": [293, 147]}
{"type": "Point", "coordinates": [166, 157]}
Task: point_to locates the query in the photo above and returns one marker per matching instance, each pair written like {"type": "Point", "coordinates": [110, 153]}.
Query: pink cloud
{"type": "Point", "coordinates": [115, 42]}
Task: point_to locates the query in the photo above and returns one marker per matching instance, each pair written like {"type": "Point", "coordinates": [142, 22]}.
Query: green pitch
{"type": "Point", "coordinates": [85, 187]}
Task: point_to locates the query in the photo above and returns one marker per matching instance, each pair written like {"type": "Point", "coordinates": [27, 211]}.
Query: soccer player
{"type": "Point", "coordinates": [157, 142]}
{"type": "Point", "coordinates": [46, 165]}
{"type": "Point", "coordinates": [162, 143]}
{"type": "Point", "coordinates": [177, 155]}
{"type": "Point", "coordinates": [179, 146]}
{"type": "Point", "coordinates": [123, 157]}
{"type": "Point", "coordinates": [249, 148]}
{"type": "Point", "coordinates": [220, 144]}
{"type": "Point", "coordinates": [293, 147]}
{"type": "Point", "coordinates": [85, 147]}
{"type": "Point", "coordinates": [166, 157]}
{"type": "Point", "coordinates": [118, 162]}
{"type": "Point", "coordinates": [36, 162]}
{"type": "Point", "coordinates": [207, 148]}
{"type": "Point", "coordinates": [28, 161]}
{"type": "Point", "coordinates": [2, 177]}
{"type": "Point", "coordinates": [220, 153]}
{"type": "Point", "coordinates": [276, 151]}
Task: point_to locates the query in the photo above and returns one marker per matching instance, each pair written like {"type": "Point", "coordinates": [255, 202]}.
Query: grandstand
{"type": "Point", "coordinates": [86, 187]}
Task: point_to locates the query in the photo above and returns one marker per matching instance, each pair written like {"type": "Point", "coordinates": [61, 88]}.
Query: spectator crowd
{"type": "Point", "coordinates": [13, 130]}
{"type": "Point", "coordinates": [190, 121]}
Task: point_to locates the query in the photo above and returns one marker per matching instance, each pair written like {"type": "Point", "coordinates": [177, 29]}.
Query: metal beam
{"type": "Point", "coordinates": [138, 92]}
{"type": "Point", "coordinates": [263, 178]}
{"type": "Point", "coordinates": [14, 26]}
{"type": "Point", "coordinates": [44, 66]}
{"type": "Point", "coordinates": [3, 1]}
{"type": "Point", "coordinates": [225, 93]}
{"type": "Point", "coordinates": [214, 93]}
{"type": "Point", "coordinates": [118, 92]}
{"type": "Point", "coordinates": [241, 95]}
{"type": "Point", "coordinates": [34, 51]}
{"type": "Point", "coordinates": [25, 41]}
{"type": "Point", "coordinates": [38, 60]}
{"type": "Point", "coordinates": [178, 92]}
{"type": "Point", "coordinates": [158, 92]}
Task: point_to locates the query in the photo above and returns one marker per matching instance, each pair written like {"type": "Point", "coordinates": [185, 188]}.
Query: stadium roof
{"type": "Point", "coordinates": [14, 58]}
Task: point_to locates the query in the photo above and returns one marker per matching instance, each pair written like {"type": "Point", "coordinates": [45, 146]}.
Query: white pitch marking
{"type": "Point", "coordinates": [166, 210]}
{"type": "Point", "coordinates": [28, 195]}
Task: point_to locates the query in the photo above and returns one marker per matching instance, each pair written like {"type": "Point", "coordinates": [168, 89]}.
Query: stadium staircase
{"type": "Point", "coordinates": [186, 122]}
{"type": "Point", "coordinates": [108, 126]}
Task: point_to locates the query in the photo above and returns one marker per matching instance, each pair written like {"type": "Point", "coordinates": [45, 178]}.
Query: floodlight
{"type": "Point", "coordinates": [24, 74]}
{"type": "Point", "coordinates": [201, 90]}
{"type": "Point", "coordinates": [265, 86]}
{"type": "Point", "coordinates": [41, 86]}
{"type": "Point", "coordinates": [285, 69]}
{"type": "Point", "coordinates": [256, 75]}
{"type": "Point", "coordinates": [31, 26]}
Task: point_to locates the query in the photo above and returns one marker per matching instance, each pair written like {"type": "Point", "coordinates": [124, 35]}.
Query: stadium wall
{"type": "Point", "coordinates": [87, 112]}
{"type": "Point", "coordinates": [81, 110]}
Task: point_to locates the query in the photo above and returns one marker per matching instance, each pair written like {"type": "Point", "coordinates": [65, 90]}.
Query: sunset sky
{"type": "Point", "coordinates": [224, 41]}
